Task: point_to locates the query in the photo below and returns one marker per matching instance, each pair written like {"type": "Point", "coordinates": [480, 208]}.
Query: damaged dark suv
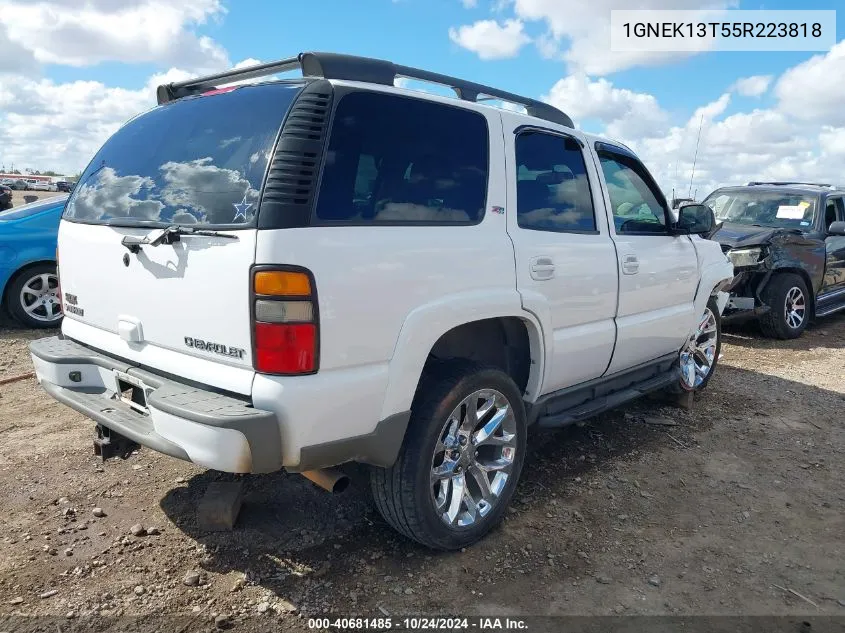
{"type": "Point", "coordinates": [786, 241]}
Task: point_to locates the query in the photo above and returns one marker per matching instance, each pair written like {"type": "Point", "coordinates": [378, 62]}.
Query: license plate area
{"type": "Point", "coordinates": [131, 391]}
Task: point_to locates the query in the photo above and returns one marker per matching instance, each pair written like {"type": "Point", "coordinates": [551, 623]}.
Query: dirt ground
{"type": "Point", "coordinates": [18, 196]}
{"type": "Point", "coordinates": [734, 508]}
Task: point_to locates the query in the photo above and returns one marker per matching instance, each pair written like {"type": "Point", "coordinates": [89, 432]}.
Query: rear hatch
{"type": "Point", "coordinates": [180, 306]}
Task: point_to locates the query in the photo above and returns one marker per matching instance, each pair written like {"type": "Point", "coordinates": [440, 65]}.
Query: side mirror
{"type": "Point", "coordinates": [836, 228]}
{"type": "Point", "coordinates": [696, 219]}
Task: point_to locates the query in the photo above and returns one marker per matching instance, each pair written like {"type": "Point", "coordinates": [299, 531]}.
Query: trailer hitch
{"type": "Point", "coordinates": [108, 444]}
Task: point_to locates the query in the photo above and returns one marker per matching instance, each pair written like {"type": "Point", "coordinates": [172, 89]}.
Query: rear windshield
{"type": "Point", "coordinates": [199, 160]}
{"type": "Point", "coordinates": [775, 209]}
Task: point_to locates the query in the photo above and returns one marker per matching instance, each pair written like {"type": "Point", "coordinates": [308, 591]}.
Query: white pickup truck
{"type": "Point", "coordinates": [306, 272]}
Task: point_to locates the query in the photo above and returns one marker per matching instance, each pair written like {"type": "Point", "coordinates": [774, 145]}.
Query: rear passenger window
{"type": "Point", "coordinates": [395, 160]}
{"type": "Point", "coordinates": [552, 188]}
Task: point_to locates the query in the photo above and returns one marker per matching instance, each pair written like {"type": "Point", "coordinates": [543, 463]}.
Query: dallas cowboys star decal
{"type": "Point", "coordinates": [240, 210]}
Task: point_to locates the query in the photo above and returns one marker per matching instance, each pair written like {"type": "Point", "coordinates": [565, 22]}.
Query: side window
{"type": "Point", "coordinates": [635, 201]}
{"type": "Point", "coordinates": [396, 160]}
{"type": "Point", "coordinates": [552, 187]}
{"type": "Point", "coordinates": [834, 212]}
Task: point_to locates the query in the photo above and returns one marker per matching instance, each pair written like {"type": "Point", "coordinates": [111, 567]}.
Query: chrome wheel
{"type": "Point", "coordinates": [699, 354]}
{"type": "Point", "coordinates": [473, 458]}
{"type": "Point", "coordinates": [39, 298]}
{"type": "Point", "coordinates": [795, 308]}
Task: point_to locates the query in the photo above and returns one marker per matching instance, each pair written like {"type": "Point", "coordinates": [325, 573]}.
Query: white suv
{"type": "Point", "coordinates": [297, 274]}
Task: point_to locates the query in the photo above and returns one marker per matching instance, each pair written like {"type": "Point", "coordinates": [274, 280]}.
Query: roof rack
{"type": "Point", "coordinates": [354, 68]}
{"type": "Point", "coordinates": [812, 184]}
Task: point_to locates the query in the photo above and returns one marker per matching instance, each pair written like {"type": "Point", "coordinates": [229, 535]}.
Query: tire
{"type": "Point", "coordinates": [21, 303]}
{"type": "Point", "coordinates": [703, 349]}
{"type": "Point", "coordinates": [783, 320]}
{"type": "Point", "coordinates": [406, 494]}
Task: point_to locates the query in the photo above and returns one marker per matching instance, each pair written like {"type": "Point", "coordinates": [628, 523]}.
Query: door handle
{"type": "Point", "coordinates": [542, 268]}
{"type": "Point", "coordinates": [630, 265]}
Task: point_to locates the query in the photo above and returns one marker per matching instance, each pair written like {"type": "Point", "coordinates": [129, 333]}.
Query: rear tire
{"type": "Point", "coordinates": [467, 423]}
{"type": "Point", "coordinates": [33, 297]}
{"type": "Point", "coordinates": [789, 300]}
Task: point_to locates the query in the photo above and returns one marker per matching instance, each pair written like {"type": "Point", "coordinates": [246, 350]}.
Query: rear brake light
{"type": "Point", "coordinates": [285, 322]}
{"type": "Point", "coordinates": [285, 349]}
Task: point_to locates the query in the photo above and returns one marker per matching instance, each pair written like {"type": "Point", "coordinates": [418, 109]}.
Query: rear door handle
{"type": "Point", "coordinates": [630, 265]}
{"type": "Point", "coordinates": [542, 268]}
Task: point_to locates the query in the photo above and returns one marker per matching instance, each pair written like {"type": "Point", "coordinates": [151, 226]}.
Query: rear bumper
{"type": "Point", "coordinates": [189, 422]}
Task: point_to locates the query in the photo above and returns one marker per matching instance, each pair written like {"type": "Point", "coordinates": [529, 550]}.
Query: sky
{"type": "Point", "coordinates": [72, 71]}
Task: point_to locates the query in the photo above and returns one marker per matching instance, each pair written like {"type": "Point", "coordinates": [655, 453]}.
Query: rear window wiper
{"type": "Point", "coordinates": [168, 235]}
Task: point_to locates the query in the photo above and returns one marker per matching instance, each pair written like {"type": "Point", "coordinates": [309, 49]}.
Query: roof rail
{"type": "Point", "coordinates": [813, 184]}
{"type": "Point", "coordinates": [354, 68]}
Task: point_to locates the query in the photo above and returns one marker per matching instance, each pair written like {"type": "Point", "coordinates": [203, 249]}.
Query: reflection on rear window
{"type": "Point", "coordinates": [200, 160]}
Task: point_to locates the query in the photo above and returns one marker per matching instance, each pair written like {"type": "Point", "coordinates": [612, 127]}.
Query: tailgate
{"type": "Point", "coordinates": [180, 308]}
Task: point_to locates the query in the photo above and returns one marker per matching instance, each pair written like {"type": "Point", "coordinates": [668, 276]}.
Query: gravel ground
{"type": "Point", "coordinates": [733, 508]}
{"type": "Point", "coordinates": [18, 196]}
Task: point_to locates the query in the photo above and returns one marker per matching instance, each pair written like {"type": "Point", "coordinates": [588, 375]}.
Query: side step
{"type": "Point", "coordinates": [606, 402]}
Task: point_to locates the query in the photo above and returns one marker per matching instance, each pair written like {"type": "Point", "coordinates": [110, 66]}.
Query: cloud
{"type": "Point", "coordinates": [60, 126]}
{"type": "Point", "coordinates": [469, 4]}
{"type": "Point", "coordinates": [14, 58]}
{"type": "Point", "coordinates": [832, 142]}
{"type": "Point", "coordinates": [813, 90]}
{"type": "Point", "coordinates": [49, 125]}
{"type": "Point", "coordinates": [207, 192]}
{"type": "Point", "coordinates": [754, 86]}
{"type": "Point", "coordinates": [623, 112]}
{"type": "Point", "coordinates": [111, 195]}
{"type": "Point", "coordinates": [782, 142]}
{"type": "Point", "coordinates": [580, 30]}
{"type": "Point", "coordinates": [71, 33]}
{"type": "Point", "coordinates": [491, 40]}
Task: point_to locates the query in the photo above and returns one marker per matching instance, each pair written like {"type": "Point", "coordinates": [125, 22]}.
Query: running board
{"type": "Point", "coordinates": [612, 400]}
{"type": "Point", "coordinates": [828, 311]}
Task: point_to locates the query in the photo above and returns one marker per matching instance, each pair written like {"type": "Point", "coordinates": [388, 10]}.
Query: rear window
{"type": "Point", "coordinates": [199, 160]}
{"type": "Point", "coordinates": [396, 160]}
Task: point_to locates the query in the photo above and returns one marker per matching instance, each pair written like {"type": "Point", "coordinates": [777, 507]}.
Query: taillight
{"type": "Point", "coordinates": [285, 321]}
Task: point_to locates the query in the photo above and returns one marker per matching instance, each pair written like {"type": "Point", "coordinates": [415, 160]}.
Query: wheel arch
{"type": "Point", "coordinates": [439, 327]}
{"type": "Point", "coordinates": [796, 270]}
{"type": "Point", "coordinates": [19, 272]}
{"type": "Point", "coordinates": [5, 298]}
{"type": "Point", "coordinates": [713, 278]}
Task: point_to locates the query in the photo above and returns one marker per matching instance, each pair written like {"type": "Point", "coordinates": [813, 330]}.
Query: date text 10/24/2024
{"type": "Point", "coordinates": [418, 624]}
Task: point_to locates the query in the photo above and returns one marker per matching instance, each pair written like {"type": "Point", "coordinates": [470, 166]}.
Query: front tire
{"type": "Point", "coordinates": [33, 297]}
{"type": "Point", "coordinates": [461, 458]}
{"type": "Point", "coordinates": [788, 298]}
{"type": "Point", "coordinates": [699, 357]}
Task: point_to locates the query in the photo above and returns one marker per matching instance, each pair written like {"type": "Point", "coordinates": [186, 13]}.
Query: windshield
{"type": "Point", "coordinates": [775, 209]}
{"type": "Point", "coordinates": [32, 208]}
{"type": "Point", "coordinates": [199, 161]}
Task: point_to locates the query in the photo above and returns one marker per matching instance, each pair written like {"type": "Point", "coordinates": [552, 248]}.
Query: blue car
{"type": "Point", "coordinates": [29, 285]}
